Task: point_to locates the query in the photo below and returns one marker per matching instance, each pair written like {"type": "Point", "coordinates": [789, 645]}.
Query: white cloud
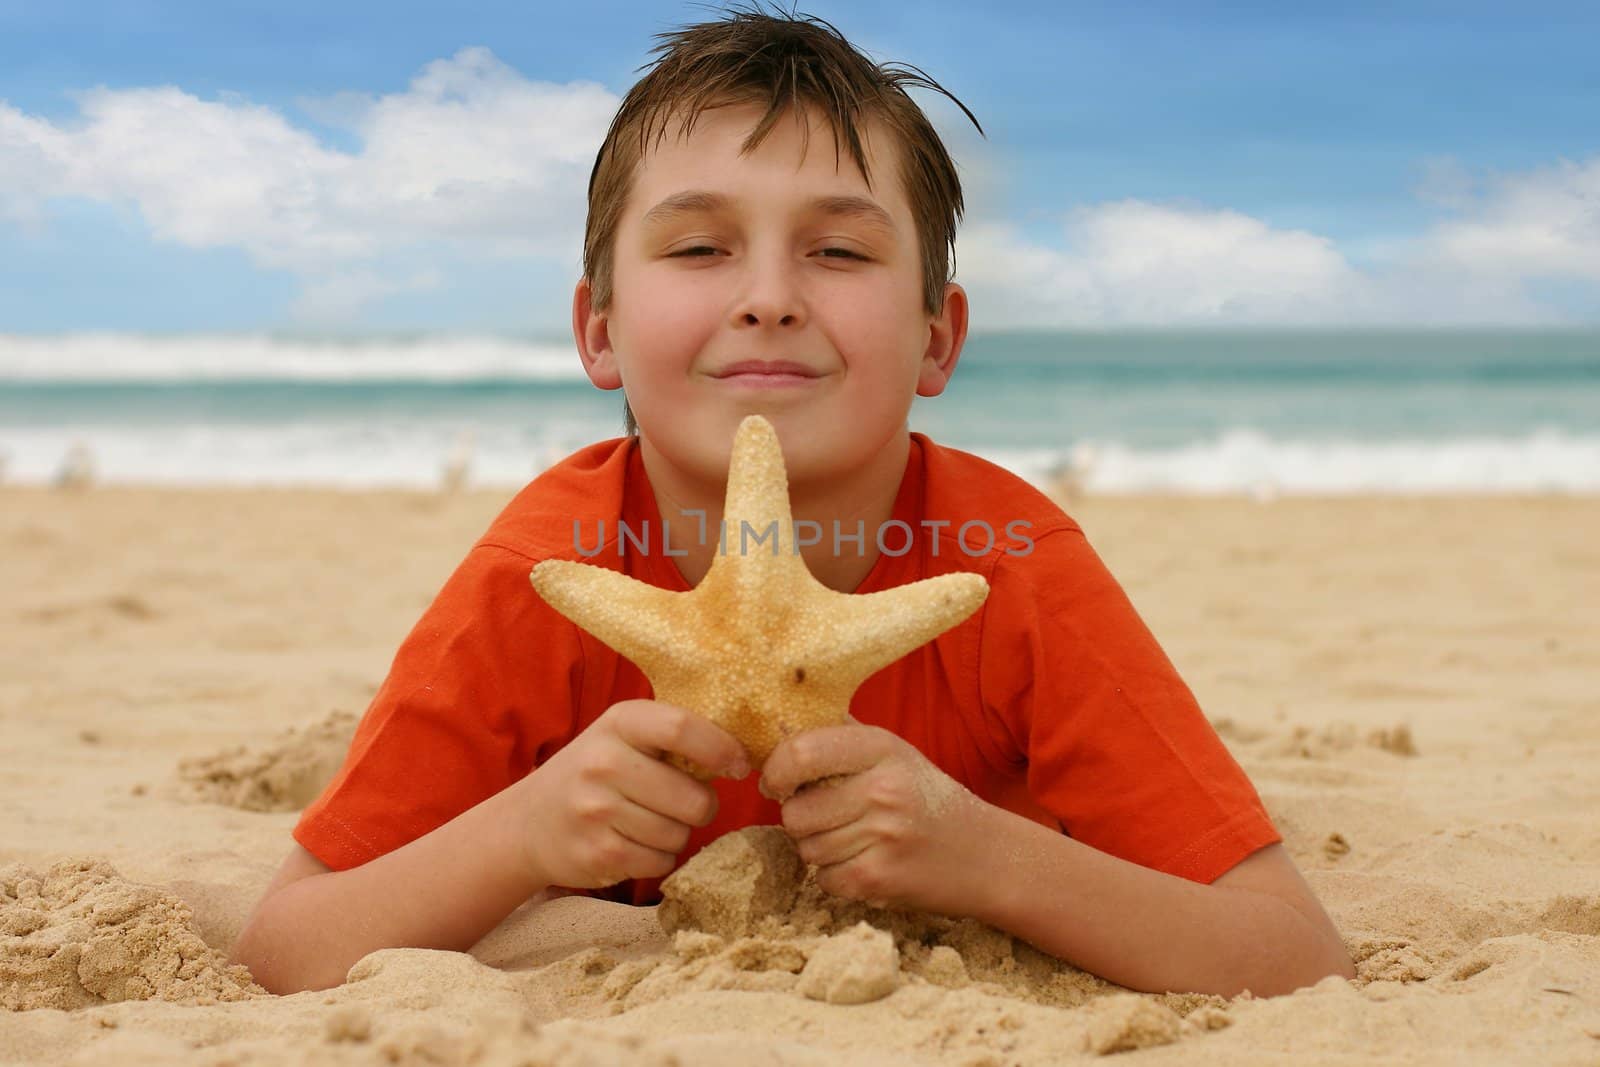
{"type": "Point", "coordinates": [1135, 262]}
{"type": "Point", "coordinates": [475, 161]}
{"type": "Point", "coordinates": [32, 153]}
{"type": "Point", "coordinates": [471, 157]}
{"type": "Point", "coordinates": [1541, 224]}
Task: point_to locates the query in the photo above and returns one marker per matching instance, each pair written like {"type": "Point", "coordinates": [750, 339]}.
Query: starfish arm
{"type": "Point", "coordinates": [640, 621]}
{"type": "Point", "coordinates": [866, 632]}
{"type": "Point", "coordinates": [757, 501]}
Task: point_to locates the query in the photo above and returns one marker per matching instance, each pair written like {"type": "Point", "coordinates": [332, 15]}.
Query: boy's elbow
{"type": "Point", "coordinates": [1340, 963]}
{"type": "Point", "coordinates": [1334, 964]}
{"type": "Point", "coordinates": [249, 952]}
{"type": "Point", "coordinates": [258, 951]}
{"type": "Point", "coordinates": [1325, 958]}
{"type": "Point", "coordinates": [280, 981]}
{"type": "Point", "coordinates": [267, 945]}
{"type": "Point", "coordinates": [1328, 958]}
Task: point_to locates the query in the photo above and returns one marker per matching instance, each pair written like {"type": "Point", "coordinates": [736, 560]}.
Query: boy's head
{"type": "Point", "coordinates": [733, 240]}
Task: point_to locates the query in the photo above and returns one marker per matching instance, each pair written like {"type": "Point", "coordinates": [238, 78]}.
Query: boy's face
{"type": "Point", "coordinates": [723, 258]}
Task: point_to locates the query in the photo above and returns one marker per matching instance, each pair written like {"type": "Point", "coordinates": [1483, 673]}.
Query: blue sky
{"type": "Point", "coordinates": [1146, 164]}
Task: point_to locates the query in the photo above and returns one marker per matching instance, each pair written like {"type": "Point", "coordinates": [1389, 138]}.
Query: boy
{"type": "Point", "coordinates": [1040, 767]}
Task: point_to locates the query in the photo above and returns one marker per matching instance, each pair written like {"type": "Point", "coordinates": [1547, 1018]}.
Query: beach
{"type": "Point", "coordinates": [1412, 682]}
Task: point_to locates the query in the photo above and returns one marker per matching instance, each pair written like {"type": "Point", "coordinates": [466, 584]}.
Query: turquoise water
{"type": "Point", "coordinates": [1211, 410]}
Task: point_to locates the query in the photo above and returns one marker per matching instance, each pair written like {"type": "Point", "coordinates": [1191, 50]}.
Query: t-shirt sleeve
{"type": "Point", "coordinates": [482, 690]}
{"type": "Point", "coordinates": [1116, 745]}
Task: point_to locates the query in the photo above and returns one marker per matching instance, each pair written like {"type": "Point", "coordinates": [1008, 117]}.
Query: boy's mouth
{"type": "Point", "coordinates": [766, 372]}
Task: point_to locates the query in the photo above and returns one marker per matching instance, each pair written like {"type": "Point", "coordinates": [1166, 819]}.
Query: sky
{"type": "Point", "coordinates": [392, 167]}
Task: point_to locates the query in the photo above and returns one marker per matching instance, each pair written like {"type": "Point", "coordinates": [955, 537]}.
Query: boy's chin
{"type": "Point", "coordinates": [813, 447]}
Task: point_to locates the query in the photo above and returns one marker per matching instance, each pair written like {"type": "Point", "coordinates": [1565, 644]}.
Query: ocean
{"type": "Point", "coordinates": [1256, 411]}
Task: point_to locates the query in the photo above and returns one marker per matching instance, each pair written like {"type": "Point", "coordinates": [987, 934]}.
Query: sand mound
{"type": "Point", "coordinates": [79, 934]}
{"type": "Point", "coordinates": [285, 775]}
{"type": "Point", "coordinates": [746, 913]}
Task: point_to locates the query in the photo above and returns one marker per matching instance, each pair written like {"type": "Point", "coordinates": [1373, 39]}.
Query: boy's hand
{"type": "Point", "coordinates": [607, 807]}
{"type": "Point", "coordinates": [883, 824]}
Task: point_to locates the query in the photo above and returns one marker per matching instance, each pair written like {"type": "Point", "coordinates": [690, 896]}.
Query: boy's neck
{"type": "Point", "coordinates": [868, 496]}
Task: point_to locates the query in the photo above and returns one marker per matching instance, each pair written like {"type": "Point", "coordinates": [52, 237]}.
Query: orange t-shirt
{"type": "Point", "coordinates": [1053, 701]}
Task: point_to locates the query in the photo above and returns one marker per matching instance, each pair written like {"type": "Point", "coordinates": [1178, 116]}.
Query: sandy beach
{"type": "Point", "coordinates": [1413, 683]}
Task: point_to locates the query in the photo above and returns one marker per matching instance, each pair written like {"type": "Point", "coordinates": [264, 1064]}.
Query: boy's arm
{"type": "Point", "coordinates": [606, 807]}
{"type": "Point", "coordinates": [1116, 748]}
{"type": "Point", "coordinates": [1257, 927]}
{"type": "Point", "coordinates": [882, 823]}
{"type": "Point", "coordinates": [445, 890]}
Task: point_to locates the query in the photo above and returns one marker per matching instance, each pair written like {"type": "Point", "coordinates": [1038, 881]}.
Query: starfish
{"type": "Point", "coordinates": [759, 646]}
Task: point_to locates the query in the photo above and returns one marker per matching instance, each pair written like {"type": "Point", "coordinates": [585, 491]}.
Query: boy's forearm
{"type": "Point", "coordinates": [444, 890]}
{"type": "Point", "coordinates": [1141, 928]}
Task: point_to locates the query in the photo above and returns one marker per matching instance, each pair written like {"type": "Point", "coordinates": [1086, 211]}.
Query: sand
{"type": "Point", "coordinates": [1412, 683]}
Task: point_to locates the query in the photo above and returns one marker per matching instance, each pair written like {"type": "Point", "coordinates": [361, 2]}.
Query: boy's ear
{"type": "Point", "coordinates": [590, 331]}
{"type": "Point", "coordinates": [947, 333]}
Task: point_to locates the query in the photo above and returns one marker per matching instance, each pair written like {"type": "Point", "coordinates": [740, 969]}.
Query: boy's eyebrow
{"type": "Point", "coordinates": [692, 201]}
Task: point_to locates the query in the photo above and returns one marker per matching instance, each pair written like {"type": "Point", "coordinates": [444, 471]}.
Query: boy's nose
{"type": "Point", "coordinates": [770, 299]}
{"type": "Point", "coordinates": [752, 318]}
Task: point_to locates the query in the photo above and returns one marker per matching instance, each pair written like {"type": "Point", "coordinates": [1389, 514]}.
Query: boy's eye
{"type": "Point", "coordinates": [697, 250]}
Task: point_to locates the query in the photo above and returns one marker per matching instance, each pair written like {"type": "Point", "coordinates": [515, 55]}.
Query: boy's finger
{"type": "Point", "coordinates": [653, 785]}
{"type": "Point", "coordinates": [655, 728]}
{"type": "Point", "coordinates": [825, 752]}
{"type": "Point", "coordinates": [652, 829]}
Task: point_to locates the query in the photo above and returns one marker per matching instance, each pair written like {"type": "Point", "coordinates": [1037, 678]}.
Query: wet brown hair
{"type": "Point", "coordinates": [781, 62]}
